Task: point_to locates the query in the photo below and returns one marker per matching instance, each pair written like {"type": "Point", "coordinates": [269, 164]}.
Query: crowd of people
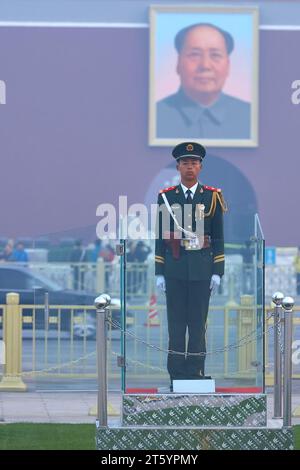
{"type": "Point", "coordinates": [14, 252]}
{"type": "Point", "coordinates": [137, 252]}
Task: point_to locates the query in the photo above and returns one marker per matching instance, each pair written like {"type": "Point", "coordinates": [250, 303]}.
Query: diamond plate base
{"type": "Point", "coordinates": [193, 439]}
{"type": "Point", "coordinates": [211, 410]}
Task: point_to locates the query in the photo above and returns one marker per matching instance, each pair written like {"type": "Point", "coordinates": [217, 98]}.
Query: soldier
{"type": "Point", "coordinates": [186, 270]}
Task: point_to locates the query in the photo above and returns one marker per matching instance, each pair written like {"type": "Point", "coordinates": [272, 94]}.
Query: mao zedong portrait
{"type": "Point", "coordinates": [200, 109]}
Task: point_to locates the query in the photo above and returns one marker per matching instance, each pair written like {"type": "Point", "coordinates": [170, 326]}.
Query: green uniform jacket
{"type": "Point", "coordinates": [194, 265]}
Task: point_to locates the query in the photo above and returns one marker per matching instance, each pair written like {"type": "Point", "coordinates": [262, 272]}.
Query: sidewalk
{"type": "Point", "coordinates": [54, 407]}
{"type": "Point", "coordinates": [74, 407]}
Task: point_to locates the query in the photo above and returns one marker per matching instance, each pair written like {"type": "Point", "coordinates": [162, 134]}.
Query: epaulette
{"type": "Point", "coordinates": [210, 188]}
{"type": "Point", "coordinates": [167, 189]}
{"type": "Point", "coordinates": [216, 196]}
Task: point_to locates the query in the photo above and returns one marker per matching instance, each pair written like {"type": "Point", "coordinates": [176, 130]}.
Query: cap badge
{"type": "Point", "coordinates": [190, 147]}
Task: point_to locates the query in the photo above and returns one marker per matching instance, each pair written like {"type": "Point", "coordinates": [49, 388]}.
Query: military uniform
{"type": "Point", "coordinates": [188, 274]}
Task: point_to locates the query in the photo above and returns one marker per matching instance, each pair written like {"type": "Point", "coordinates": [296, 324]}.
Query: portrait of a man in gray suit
{"type": "Point", "coordinates": [200, 108]}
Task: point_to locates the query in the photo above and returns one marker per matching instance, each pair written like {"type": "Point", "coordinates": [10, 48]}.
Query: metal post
{"type": "Point", "coordinates": [101, 304]}
{"type": "Point", "coordinates": [277, 299]}
{"type": "Point", "coordinates": [46, 311]}
{"type": "Point", "coordinates": [287, 304]}
{"type": "Point", "coordinates": [247, 323]}
{"type": "Point", "coordinates": [100, 275]}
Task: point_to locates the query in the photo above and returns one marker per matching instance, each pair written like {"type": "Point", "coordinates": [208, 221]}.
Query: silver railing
{"type": "Point", "coordinates": [102, 303]}
{"type": "Point", "coordinates": [287, 304]}
{"type": "Point", "coordinates": [282, 391]}
{"type": "Point", "coordinates": [283, 315]}
{"type": "Point", "coordinates": [278, 350]}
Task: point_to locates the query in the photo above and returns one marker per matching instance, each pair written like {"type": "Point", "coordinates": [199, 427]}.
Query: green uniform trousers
{"type": "Point", "coordinates": [187, 306]}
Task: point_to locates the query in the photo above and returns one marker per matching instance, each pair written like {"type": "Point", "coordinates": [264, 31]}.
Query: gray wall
{"type": "Point", "coordinates": [73, 133]}
{"type": "Point", "coordinates": [135, 11]}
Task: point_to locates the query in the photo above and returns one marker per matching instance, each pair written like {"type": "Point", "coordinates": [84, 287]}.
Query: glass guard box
{"type": "Point", "coordinates": [235, 324]}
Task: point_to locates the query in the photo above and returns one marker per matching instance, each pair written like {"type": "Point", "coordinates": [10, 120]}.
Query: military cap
{"type": "Point", "coordinates": [189, 150]}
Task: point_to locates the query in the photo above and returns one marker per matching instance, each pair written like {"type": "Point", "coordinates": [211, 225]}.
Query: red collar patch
{"type": "Point", "coordinates": [167, 189]}
{"type": "Point", "coordinates": [211, 188]}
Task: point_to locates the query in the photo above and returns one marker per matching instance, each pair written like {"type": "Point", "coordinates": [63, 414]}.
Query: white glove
{"type": "Point", "coordinates": [214, 283]}
{"type": "Point", "coordinates": [160, 282]}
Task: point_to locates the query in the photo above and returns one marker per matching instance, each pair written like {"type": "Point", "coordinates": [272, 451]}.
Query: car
{"type": "Point", "coordinates": [32, 288]}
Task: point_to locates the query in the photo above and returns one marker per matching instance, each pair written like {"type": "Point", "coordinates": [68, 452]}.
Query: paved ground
{"type": "Point", "coordinates": [52, 407]}
{"type": "Point", "coordinates": [74, 407]}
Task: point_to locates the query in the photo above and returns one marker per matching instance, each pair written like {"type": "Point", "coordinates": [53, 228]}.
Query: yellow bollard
{"type": "Point", "coordinates": [229, 306]}
{"type": "Point", "coordinates": [296, 412]}
{"type": "Point", "coordinates": [111, 411]}
{"type": "Point", "coordinates": [12, 326]}
{"type": "Point", "coordinates": [246, 326]}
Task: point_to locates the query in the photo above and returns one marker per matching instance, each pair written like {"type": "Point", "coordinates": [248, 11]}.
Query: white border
{"type": "Point", "coordinates": [62, 24]}
{"type": "Point", "coordinates": [79, 24]}
{"type": "Point", "coordinates": [279, 27]}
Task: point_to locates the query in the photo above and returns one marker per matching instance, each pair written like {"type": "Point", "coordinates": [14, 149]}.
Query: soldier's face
{"type": "Point", "coordinates": [189, 169]}
{"type": "Point", "coordinates": [203, 62]}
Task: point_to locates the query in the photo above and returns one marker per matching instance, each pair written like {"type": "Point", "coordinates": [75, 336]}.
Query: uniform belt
{"type": "Point", "coordinates": [206, 242]}
{"type": "Point", "coordinates": [175, 243]}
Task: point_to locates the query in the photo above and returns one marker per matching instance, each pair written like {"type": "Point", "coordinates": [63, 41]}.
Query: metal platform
{"type": "Point", "coordinates": [246, 410]}
{"type": "Point", "coordinates": [193, 438]}
{"type": "Point", "coordinates": [194, 422]}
